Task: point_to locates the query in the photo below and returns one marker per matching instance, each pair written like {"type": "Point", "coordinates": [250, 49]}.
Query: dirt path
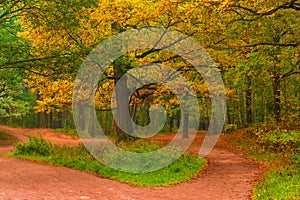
{"type": "Point", "coordinates": [229, 176]}
{"type": "Point", "coordinates": [23, 134]}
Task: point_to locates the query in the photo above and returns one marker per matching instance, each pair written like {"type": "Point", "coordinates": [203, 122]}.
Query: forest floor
{"type": "Point", "coordinates": [229, 175]}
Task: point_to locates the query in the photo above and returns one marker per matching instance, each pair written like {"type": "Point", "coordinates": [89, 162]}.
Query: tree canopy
{"type": "Point", "coordinates": [255, 44]}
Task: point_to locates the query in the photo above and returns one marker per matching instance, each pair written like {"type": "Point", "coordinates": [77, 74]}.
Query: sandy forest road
{"type": "Point", "coordinates": [229, 176]}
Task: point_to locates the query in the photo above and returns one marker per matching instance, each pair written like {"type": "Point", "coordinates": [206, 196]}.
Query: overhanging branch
{"type": "Point", "coordinates": [293, 4]}
{"type": "Point", "coordinates": [273, 44]}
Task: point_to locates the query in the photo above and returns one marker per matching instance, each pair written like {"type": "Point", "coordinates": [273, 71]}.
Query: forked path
{"type": "Point", "coordinates": [228, 176]}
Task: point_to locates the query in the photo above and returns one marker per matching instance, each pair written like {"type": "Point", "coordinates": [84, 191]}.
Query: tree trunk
{"type": "Point", "coordinates": [46, 120]}
{"type": "Point", "coordinates": [205, 114]}
{"type": "Point", "coordinates": [51, 119]}
{"type": "Point", "coordinates": [185, 118]}
{"type": "Point", "coordinates": [38, 119]}
{"type": "Point", "coordinates": [185, 125]}
{"type": "Point", "coordinates": [276, 96]}
{"type": "Point", "coordinates": [122, 98]}
{"type": "Point", "coordinates": [81, 118]}
{"type": "Point", "coordinates": [265, 106]}
{"type": "Point", "coordinates": [171, 124]}
{"type": "Point", "coordinates": [248, 102]}
{"type": "Point", "coordinates": [178, 118]}
{"type": "Point", "coordinates": [59, 120]}
{"type": "Point", "coordinates": [115, 127]}
{"type": "Point", "coordinates": [239, 109]}
{"type": "Point", "coordinates": [134, 114]}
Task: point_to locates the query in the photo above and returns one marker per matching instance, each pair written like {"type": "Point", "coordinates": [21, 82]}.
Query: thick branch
{"type": "Point", "coordinates": [14, 64]}
{"type": "Point", "coordinates": [291, 72]}
{"type": "Point", "coordinates": [154, 48]}
{"type": "Point", "coordinates": [273, 44]}
{"type": "Point", "coordinates": [293, 4]}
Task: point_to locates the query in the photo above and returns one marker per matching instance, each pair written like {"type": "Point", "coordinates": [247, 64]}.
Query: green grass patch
{"type": "Point", "coordinates": [77, 157]}
{"type": "Point", "coordinates": [279, 184]}
{"type": "Point", "coordinates": [279, 149]}
{"type": "Point", "coordinates": [68, 131]}
{"type": "Point", "coordinates": [6, 139]}
{"type": "Point", "coordinates": [166, 129]}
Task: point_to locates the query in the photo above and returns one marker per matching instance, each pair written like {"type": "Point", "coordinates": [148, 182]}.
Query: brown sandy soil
{"type": "Point", "coordinates": [229, 176]}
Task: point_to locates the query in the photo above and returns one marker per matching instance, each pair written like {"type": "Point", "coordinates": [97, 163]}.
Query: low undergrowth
{"type": "Point", "coordinates": [279, 149]}
{"type": "Point", "coordinates": [68, 131]}
{"type": "Point", "coordinates": [6, 139]}
{"type": "Point", "coordinates": [77, 157]}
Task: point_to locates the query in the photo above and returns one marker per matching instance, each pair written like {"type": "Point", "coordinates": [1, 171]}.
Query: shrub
{"type": "Point", "coordinates": [141, 146]}
{"type": "Point", "coordinates": [35, 146]}
{"type": "Point", "coordinates": [230, 128]}
{"type": "Point", "coordinates": [6, 139]}
{"type": "Point", "coordinates": [278, 140]}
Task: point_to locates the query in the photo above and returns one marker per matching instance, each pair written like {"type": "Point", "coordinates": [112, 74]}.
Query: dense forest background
{"type": "Point", "coordinates": [255, 44]}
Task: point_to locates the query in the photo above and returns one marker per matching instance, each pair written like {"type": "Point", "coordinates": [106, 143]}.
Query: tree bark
{"type": "Point", "coordinates": [46, 120]}
{"type": "Point", "coordinates": [185, 125]}
{"type": "Point", "coordinates": [276, 97]}
{"type": "Point", "coordinates": [185, 133]}
{"type": "Point", "coordinates": [51, 119]}
{"type": "Point", "coordinates": [39, 119]}
{"type": "Point", "coordinates": [248, 102]}
{"type": "Point", "coordinates": [178, 120]}
{"type": "Point", "coordinates": [59, 120]}
{"type": "Point", "coordinates": [81, 118]}
{"type": "Point", "coordinates": [122, 98]}
{"type": "Point", "coordinates": [171, 124]}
